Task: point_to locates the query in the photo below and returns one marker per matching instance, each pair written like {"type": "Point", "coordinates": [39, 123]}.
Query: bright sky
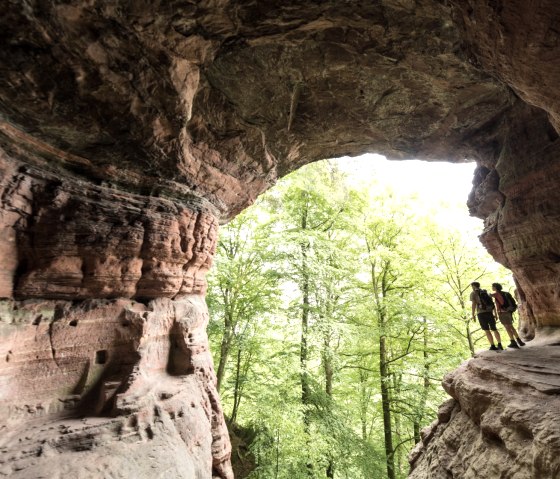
{"type": "Point", "coordinates": [440, 186]}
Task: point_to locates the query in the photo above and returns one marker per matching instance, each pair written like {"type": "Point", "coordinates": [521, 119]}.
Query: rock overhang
{"type": "Point", "coordinates": [128, 130]}
{"type": "Point", "coordinates": [223, 99]}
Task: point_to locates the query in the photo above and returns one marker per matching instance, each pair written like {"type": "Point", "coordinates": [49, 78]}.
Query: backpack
{"type": "Point", "coordinates": [509, 302]}
{"type": "Point", "coordinates": [486, 302]}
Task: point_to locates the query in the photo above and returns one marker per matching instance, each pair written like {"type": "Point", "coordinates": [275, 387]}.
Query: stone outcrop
{"type": "Point", "coordinates": [106, 320]}
{"type": "Point", "coordinates": [502, 420]}
{"type": "Point", "coordinates": [74, 240]}
{"type": "Point", "coordinates": [130, 129]}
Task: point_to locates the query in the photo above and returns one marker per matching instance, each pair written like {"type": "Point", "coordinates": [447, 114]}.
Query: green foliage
{"type": "Point", "coordinates": [335, 314]}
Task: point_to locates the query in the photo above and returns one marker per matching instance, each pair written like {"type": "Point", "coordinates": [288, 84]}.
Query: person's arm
{"type": "Point", "coordinates": [473, 303]}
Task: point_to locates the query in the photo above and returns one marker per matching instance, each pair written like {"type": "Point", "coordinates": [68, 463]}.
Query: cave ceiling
{"type": "Point", "coordinates": [221, 98]}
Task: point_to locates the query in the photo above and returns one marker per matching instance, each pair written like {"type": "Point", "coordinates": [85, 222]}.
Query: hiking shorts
{"type": "Point", "coordinates": [487, 321]}
{"type": "Point", "coordinates": [505, 317]}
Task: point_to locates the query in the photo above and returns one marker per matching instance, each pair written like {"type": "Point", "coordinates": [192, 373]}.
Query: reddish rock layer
{"type": "Point", "coordinates": [143, 371]}
{"type": "Point", "coordinates": [517, 198]}
{"type": "Point", "coordinates": [66, 238]}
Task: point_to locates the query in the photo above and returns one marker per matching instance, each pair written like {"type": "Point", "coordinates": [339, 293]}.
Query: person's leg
{"type": "Point", "coordinates": [497, 335]}
{"type": "Point", "coordinates": [492, 325]}
{"type": "Point", "coordinates": [516, 335]}
{"type": "Point", "coordinates": [507, 320]}
{"type": "Point", "coordinates": [484, 321]}
{"type": "Point", "coordinates": [509, 330]}
{"type": "Point", "coordinates": [498, 338]}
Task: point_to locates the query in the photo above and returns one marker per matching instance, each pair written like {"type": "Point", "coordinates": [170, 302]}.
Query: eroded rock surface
{"type": "Point", "coordinates": [70, 239]}
{"type": "Point", "coordinates": [223, 97]}
{"type": "Point", "coordinates": [87, 369]}
{"type": "Point", "coordinates": [502, 421]}
{"type": "Point", "coordinates": [130, 129]}
{"type": "Point", "coordinates": [109, 387]}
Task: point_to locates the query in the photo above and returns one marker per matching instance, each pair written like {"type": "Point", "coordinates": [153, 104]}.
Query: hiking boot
{"type": "Point", "coordinates": [513, 344]}
{"type": "Point", "coordinates": [493, 348]}
{"type": "Point", "coordinates": [500, 347]}
{"type": "Point", "coordinates": [521, 343]}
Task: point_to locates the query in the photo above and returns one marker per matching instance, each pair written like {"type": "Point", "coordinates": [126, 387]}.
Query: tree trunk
{"type": "Point", "coordinates": [380, 290]}
{"type": "Point", "coordinates": [364, 401]}
{"type": "Point", "coordinates": [416, 429]}
{"type": "Point", "coordinates": [224, 353]}
{"type": "Point", "coordinates": [329, 373]}
{"type": "Point", "coordinates": [277, 468]}
{"type": "Point", "coordinates": [470, 339]}
{"type": "Point", "coordinates": [386, 406]}
{"type": "Point", "coordinates": [426, 385]}
{"type": "Point", "coordinates": [237, 389]}
{"type": "Point", "coordinates": [467, 320]}
{"type": "Point", "coordinates": [304, 352]}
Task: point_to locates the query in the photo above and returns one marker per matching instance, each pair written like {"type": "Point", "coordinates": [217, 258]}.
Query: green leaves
{"type": "Point", "coordinates": [335, 313]}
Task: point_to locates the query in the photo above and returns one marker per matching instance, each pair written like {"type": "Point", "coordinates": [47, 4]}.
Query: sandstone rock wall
{"type": "Point", "coordinates": [129, 130]}
{"type": "Point", "coordinates": [515, 195]}
{"type": "Point", "coordinates": [103, 325]}
{"type": "Point", "coordinates": [109, 385]}
{"type": "Point", "coordinates": [71, 239]}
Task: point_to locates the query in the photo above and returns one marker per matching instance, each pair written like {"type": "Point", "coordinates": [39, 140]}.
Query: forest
{"type": "Point", "coordinates": [335, 312]}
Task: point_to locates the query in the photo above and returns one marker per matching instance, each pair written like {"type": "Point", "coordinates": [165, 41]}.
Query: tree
{"type": "Point", "coordinates": [337, 378]}
{"type": "Point", "coordinates": [243, 287]}
{"type": "Point", "coordinates": [310, 222]}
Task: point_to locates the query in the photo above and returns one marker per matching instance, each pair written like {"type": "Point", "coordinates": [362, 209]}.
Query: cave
{"type": "Point", "coordinates": [131, 130]}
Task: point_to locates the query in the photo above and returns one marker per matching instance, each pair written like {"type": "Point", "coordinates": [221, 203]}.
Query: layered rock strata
{"type": "Point", "coordinates": [109, 387]}
{"type": "Point", "coordinates": [69, 239]}
{"type": "Point", "coordinates": [134, 359]}
{"type": "Point", "coordinates": [515, 195]}
{"type": "Point", "coordinates": [129, 129]}
{"type": "Point", "coordinates": [502, 421]}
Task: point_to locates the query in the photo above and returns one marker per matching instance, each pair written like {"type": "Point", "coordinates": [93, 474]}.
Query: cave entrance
{"type": "Point", "coordinates": [347, 286]}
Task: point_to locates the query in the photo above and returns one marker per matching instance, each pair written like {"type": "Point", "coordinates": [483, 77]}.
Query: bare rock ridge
{"type": "Point", "coordinates": [129, 130]}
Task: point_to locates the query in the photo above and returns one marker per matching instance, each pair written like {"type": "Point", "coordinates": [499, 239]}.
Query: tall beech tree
{"type": "Point", "coordinates": [335, 314]}
{"type": "Point", "coordinates": [389, 284]}
{"type": "Point", "coordinates": [311, 223]}
{"type": "Point", "coordinates": [245, 285]}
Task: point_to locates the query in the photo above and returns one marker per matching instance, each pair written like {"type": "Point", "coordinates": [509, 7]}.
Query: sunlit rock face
{"type": "Point", "coordinates": [130, 129]}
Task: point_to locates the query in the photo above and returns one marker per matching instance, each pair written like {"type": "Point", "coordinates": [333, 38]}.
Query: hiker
{"type": "Point", "coordinates": [484, 306]}
{"type": "Point", "coordinates": [505, 306]}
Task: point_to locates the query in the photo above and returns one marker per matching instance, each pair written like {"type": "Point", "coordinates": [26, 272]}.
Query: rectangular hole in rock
{"type": "Point", "coordinates": [101, 356]}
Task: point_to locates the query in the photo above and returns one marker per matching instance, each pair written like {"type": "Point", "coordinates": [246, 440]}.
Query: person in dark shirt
{"type": "Point", "coordinates": [485, 313]}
